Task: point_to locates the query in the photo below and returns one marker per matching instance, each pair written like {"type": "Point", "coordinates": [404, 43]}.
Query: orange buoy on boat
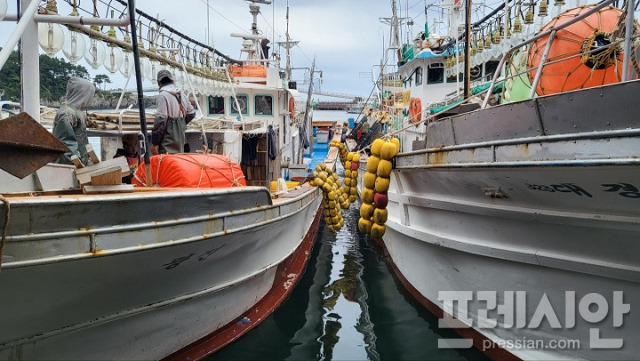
{"type": "Point", "coordinates": [292, 106]}
{"type": "Point", "coordinates": [415, 110]}
{"type": "Point", "coordinates": [595, 32]}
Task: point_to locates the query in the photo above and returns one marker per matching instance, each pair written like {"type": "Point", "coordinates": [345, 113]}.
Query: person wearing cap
{"type": "Point", "coordinates": [173, 114]}
{"type": "Point", "coordinates": [70, 123]}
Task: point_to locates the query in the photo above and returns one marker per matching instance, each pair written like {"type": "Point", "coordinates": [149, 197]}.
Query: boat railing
{"type": "Point", "coordinates": [551, 33]}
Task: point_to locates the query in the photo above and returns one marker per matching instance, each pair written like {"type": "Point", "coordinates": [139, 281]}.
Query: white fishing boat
{"type": "Point", "coordinates": [514, 216]}
{"type": "Point", "coordinates": [95, 269]}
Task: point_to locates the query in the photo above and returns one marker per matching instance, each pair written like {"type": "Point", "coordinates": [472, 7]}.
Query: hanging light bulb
{"type": "Point", "coordinates": [3, 9]}
{"type": "Point", "coordinates": [114, 59]}
{"type": "Point", "coordinates": [528, 30]}
{"type": "Point", "coordinates": [95, 52]}
{"type": "Point", "coordinates": [127, 68]}
{"type": "Point", "coordinates": [542, 15]}
{"type": "Point", "coordinates": [50, 38]}
{"type": "Point", "coordinates": [487, 48]}
{"type": "Point", "coordinates": [558, 8]}
{"type": "Point", "coordinates": [74, 46]}
{"type": "Point", "coordinates": [114, 54]}
{"type": "Point", "coordinates": [178, 77]}
{"type": "Point", "coordinates": [516, 36]}
{"type": "Point", "coordinates": [94, 56]}
{"type": "Point", "coordinates": [150, 66]}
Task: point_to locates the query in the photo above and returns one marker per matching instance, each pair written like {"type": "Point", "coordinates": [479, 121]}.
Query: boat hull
{"type": "Point", "coordinates": [557, 232]}
{"type": "Point", "coordinates": [165, 277]}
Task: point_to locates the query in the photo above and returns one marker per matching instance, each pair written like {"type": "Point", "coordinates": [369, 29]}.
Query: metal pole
{"type": "Point", "coordinates": [136, 62]}
{"type": "Point", "coordinates": [467, 48]}
{"type": "Point", "coordinates": [627, 41]}
{"type": "Point", "coordinates": [545, 55]}
{"type": "Point", "coordinates": [25, 19]}
{"type": "Point", "coordinates": [30, 61]}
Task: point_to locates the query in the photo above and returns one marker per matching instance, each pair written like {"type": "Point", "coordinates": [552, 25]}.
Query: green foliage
{"type": "Point", "coordinates": [101, 79]}
{"type": "Point", "coordinates": [10, 78]}
{"type": "Point", "coordinates": [54, 75]}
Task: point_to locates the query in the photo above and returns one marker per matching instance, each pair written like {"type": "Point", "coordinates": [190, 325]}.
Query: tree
{"type": "Point", "coordinates": [54, 75]}
{"type": "Point", "coordinates": [10, 78]}
{"type": "Point", "coordinates": [100, 79]}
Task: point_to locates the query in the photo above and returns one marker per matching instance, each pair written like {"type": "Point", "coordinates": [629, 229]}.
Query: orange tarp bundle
{"type": "Point", "coordinates": [256, 71]}
{"type": "Point", "coordinates": [191, 170]}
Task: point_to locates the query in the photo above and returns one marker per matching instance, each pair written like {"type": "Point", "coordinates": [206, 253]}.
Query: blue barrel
{"type": "Point", "coordinates": [351, 123]}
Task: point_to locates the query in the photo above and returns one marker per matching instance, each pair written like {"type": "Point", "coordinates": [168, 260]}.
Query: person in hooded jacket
{"type": "Point", "coordinates": [70, 123]}
{"type": "Point", "coordinates": [173, 114]}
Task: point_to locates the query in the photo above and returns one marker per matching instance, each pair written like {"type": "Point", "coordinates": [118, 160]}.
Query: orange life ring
{"type": "Point", "coordinates": [415, 110]}
{"type": "Point", "coordinates": [292, 106]}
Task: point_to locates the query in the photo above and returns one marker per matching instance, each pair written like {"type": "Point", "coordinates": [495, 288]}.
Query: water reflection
{"type": "Point", "coordinates": [347, 306]}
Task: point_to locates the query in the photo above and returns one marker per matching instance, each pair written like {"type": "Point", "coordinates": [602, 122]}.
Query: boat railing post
{"type": "Point", "coordinates": [501, 65]}
{"type": "Point", "coordinates": [536, 80]}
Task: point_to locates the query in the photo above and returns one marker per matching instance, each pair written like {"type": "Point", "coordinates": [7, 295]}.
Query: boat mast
{"type": "Point", "coordinates": [467, 49]}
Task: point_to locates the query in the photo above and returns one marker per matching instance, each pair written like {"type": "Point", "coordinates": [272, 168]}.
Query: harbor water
{"type": "Point", "coordinates": [347, 306]}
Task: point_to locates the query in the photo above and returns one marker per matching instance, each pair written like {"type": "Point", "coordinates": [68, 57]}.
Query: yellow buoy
{"type": "Point", "coordinates": [372, 164]}
{"type": "Point", "coordinates": [369, 180]}
{"type": "Point", "coordinates": [377, 230]}
{"type": "Point", "coordinates": [384, 168]}
{"type": "Point", "coordinates": [388, 150]}
{"type": "Point", "coordinates": [364, 225]}
{"type": "Point", "coordinates": [376, 146]}
{"type": "Point", "coordinates": [382, 184]}
{"type": "Point", "coordinates": [367, 195]}
{"type": "Point", "coordinates": [380, 216]}
{"type": "Point", "coordinates": [366, 210]}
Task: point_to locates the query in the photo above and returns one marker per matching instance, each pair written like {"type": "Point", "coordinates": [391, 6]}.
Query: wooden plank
{"type": "Point", "coordinates": [120, 188]}
{"type": "Point", "coordinates": [109, 176]}
{"type": "Point", "coordinates": [76, 161]}
{"type": "Point", "coordinates": [92, 154]}
{"type": "Point", "coordinates": [84, 174]}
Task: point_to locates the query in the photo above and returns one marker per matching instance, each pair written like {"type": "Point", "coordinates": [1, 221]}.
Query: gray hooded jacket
{"type": "Point", "coordinates": [70, 123]}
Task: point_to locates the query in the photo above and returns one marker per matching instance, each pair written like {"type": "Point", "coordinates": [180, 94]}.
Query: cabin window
{"type": "Point", "coordinates": [435, 73]}
{"type": "Point", "coordinates": [452, 78]}
{"type": "Point", "coordinates": [490, 68]}
{"type": "Point", "coordinates": [264, 105]}
{"type": "Point", "coordinates": [216, 105]}
{"type": "Point", "coordinates": [242, 103]}
{"type": "Point", "coordinates": [419, 75]}
{"type": "Point", "coordinates": [408, 82]}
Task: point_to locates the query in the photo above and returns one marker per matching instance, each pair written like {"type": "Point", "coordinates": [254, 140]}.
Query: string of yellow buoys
{"type": "Point", "coordinates": [335, 195]}
{"type": "Point", "coordinates": [373, 210]}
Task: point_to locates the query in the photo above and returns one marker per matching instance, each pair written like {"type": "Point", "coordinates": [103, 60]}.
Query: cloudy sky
{"type": "Point", "coordinates": [344, 36]}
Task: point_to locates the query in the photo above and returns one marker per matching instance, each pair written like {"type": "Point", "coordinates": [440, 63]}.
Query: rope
{"type": "Point", "coordinates": [158, 169]}
{"type": "Point", "coordinates": [603, 58]}
{"type": "Point", "coordinates": [5, 226]}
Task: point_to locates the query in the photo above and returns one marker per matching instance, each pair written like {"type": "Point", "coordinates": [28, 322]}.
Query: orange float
{"type": "Point", "coordinates": [415, 110]}
{"type": "Point", "coordinates": [192, 170]}
{"type": "Point", "coordinates": [593, 32]}
{"type": "Point", "coordinates": [292, 106]}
